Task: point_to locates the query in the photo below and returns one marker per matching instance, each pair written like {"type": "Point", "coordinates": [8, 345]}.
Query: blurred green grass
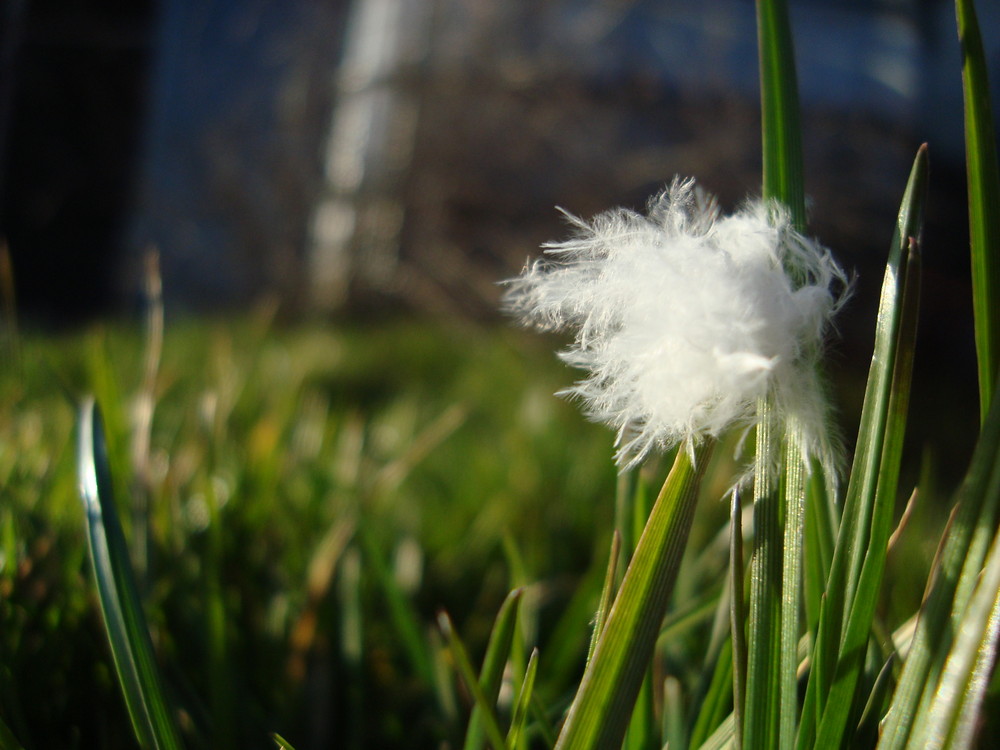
{"type": "Point", "coordinates": [272, 450]}
{"type": "Point", "coordinates": [316, 495]}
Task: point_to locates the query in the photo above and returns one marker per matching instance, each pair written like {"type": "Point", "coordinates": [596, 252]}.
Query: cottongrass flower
{"type": "Point", "coordinates": [687, 320]}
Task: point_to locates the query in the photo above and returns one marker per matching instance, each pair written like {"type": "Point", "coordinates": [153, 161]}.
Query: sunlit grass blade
{"type": "Point", "coordinates": [519, 716]}
{"type": "Point", "coordinates": [861, 607]}
{"type": "Point", "coordinates": [604, 701]}
{"type": "Point", "coordinates": [737, 616]}
{"type": "Point", "coordinates": [879, 423]}
{"type": "Point", "coordinates": [491, 675]}
{"type": "Point", "coordinates": [607, 593]}
{"type": "Point", "coordinates": [128, 634]}
{"type": "Point", "coordinates": [486, 706]}
{"type": "Point", "coordinates": [281, 742]}
{"type": "Point", "coordinates": [958, 569]}
{"type": "Point", "coordinates": [781, 129]}
{"type": "Point", "coordinates": [983, 176]}
{"type": "Point", "coordinates": [949, 720]}
{"type": "Point", "coordinates": [771, 711]}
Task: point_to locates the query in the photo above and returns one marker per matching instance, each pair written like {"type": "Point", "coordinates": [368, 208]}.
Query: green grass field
{"type": "Point", "coordinates": [310, 499]}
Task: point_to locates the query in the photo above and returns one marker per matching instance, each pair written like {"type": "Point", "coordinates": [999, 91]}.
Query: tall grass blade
{"type": "Point", "coordinates": [131, 647]}
{"type": "Point", "coordinates": [737, 616]}
{"type": "Point", "coordinates": [851, 653]}
{"type": "Point", "coordinates": [770, 711]}
{"type": "Point", "coordinates": [781, 128]}
{"type": "Point", "coordinates": [519, 716]}
{"type": "Point", "coordinates": [607, 593]}
{"type": "Point", "coordinates": [603, 704]}
{"type": "Point", "coordinates": [491, 675]}
{"type": "Point", "coordinates": [486, 706]}
{"type": "Point", "coordinates": [870, 496]}
{"type": "Point", "coordinates": [961, 557]}
{"type": "Point", "coordinates": [983, 176]}
{"type": "Point", "coordinates": [771, 703]}
{"type": "Point", "coordinates": [950, 718]}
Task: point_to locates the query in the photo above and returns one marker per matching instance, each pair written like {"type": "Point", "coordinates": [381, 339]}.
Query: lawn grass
{"type": "Point", "coordinates": [282, 461]}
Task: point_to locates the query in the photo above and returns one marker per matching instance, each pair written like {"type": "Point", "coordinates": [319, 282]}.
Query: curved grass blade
{"type": "Point", "coordinates": [983, 176]}
{"type": "Point", "coordinates": [281, 742]}
{"type": "Point", "coordinates": [487, 714]}
{"type": "Point", "coordinates": [603, 704]}
{"type": "Point", "coordinates": [859, 514]}
{"type": "Point", "coordinates": [152, 717]}
{"type": "Point", "coordinates": [491, 675]}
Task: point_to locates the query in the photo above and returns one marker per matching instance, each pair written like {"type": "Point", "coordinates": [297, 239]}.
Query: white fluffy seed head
{"type": "Point", "coordinates": [684, 319]}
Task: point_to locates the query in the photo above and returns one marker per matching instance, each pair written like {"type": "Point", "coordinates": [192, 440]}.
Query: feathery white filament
{"type": "Point", "coordinates": [684, 318]}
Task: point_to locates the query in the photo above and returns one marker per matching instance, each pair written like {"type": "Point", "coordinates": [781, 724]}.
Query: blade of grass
{"type": "Point", "coordinates": [770, 711]}
{"type": "Point", "coordinates": [854, 531]}
{"type": "Point", "coordinates": [401, 613]}
{"type": "Point", "coordinates": [607, 593]}
{"type": "Point", "coordinates": [950, 718]}
{"type": "Point", "coordinates": [673, 734]}
{"type": "Point", "coordinates": [714, 706]}
{"type": "Point", "coordinates": [491, 675]}
{"type": "Point", "coordinates": [851, 652]}
{"type": "Point", "coordinates": [780, 126]}
{"type": "Point", "coordinates": [983, 176]}
{"type": "Point", "coordinates": [281, 742]}
{"type": "Point", "coordinates": [603, 704]}
{"type": "Point", "coordinates": [131, 647]}
{"type": "Point", "coordinates": [737, 617]}
{"type": "Point", "coordinates": [519, 717]}
{"type": "Point", "coordinates": [960, 562]}
{"type": "Point", "coordinates": [487, 714]}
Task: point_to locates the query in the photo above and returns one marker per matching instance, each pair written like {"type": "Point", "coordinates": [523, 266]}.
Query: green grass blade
{"type": "Point", "coordinates": [519, 717]}
{"type": "Point", "coordinates": [781, 129]}
{"type": "Point", "coordinates": [607, 593]}
{"type": "Point", "coordinates": [491, 675]}
{"type": "Point", "coordinates": [714, 706]}
{"type": "Point", "coordinates": [673, 716]}
{"type": "Point", "coordinates": [401, 612]}
{"type": "Point", "coordinates": [949, 719]}
{"type": "Point", "coordinates": [487, 714]}
{"type": "Point", "coordinates": [963, 551]}
{"type": "Point", "coordinates": [854, 532]}
{"type": "Point", "coordinates": [852, 650]}
{"type": "Point", "coordinates": [128, 633]}
{"type": "Point", "coordinates": [771, 710]}
{"type": "Point", "coordinates": [737, 616]}
{"type": "Point", "coordinates": [603, 704]}
{"type": "Point", "coordinates": [281, 742]}
{"type": "Point", "coordinates": [983, 177]}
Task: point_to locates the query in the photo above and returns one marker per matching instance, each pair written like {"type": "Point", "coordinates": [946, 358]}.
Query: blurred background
{"type": "Point", "coordinates": [362, 157]}
{"type": "Point", "coordinates": [411, 152]}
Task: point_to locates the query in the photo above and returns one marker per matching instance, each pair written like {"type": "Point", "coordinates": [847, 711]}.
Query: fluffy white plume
{"type": "Point", "coordinates": [684, 318]}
